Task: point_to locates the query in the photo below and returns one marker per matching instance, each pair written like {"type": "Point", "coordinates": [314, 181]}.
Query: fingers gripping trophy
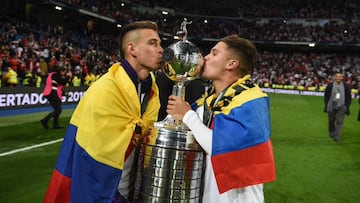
{"type": "Point", "coordinates": [172, 168]}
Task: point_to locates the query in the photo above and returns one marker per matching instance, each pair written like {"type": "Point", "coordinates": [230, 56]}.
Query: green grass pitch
{"type": "Point", "coordinates": [311, 168]}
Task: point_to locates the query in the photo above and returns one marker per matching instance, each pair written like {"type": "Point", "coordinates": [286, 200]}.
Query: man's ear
{"type": "Point", "coordinates": [233, 64]}
{"type": "Point", "coordinates": [130, 49]}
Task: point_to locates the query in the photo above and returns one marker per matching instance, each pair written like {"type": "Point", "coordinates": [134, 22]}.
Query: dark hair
{"type": "Point", "coordinates": [134, 26]}
{"type": "Point", "coordinates": [244, 50]}
{"type": "Point", "coordinates": [59, 67]}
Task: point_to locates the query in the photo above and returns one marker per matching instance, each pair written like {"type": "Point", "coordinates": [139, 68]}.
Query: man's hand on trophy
{"type": "Point", "coordinates": [177, 107]}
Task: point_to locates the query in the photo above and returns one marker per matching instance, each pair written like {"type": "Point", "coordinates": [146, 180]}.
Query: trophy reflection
{"type": "Point", "coordinates": [172, 168]}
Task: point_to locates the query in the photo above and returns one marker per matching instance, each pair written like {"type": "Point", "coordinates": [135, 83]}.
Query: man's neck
{"type": "Point", "coordinates": [140, 70]}
{"type": "Point", "coordinates": [143, 74]}
{"type": "Point", "coordinates": [221, 85]}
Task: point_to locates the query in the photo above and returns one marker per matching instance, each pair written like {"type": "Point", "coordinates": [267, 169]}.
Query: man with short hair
{"type": "Point", "coordinates": [232, 124]}
{"type": "Point", "coordinates": [119, 109]}
{"type": "Point", "coordinates": [337, 100]}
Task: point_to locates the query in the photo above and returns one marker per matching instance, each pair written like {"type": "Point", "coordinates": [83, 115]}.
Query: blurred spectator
{"type": "Point", "coordinates": [90, 78]}
{"type": "Point", "coordinates": [76, 80]}
{"type": "Point", "coordinates": [11, 77]}
{"type": "Point", "coordinates": [28, 80]}
{"type": "Point", "coordinates": [43, 66]}
{"type": "Point", "coordinates": [53, 92]}
{"type": "Point", "coordinates": [38, 80]}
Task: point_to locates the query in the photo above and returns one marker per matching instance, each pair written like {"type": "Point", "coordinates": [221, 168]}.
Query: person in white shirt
{"type": "Point", "coordinates": [232, 124]}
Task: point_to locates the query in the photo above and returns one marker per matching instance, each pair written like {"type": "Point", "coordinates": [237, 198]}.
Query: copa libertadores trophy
{"type": "Point", "coordinates": [171, 169]}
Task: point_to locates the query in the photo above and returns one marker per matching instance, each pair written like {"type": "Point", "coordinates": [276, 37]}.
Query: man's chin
{"type": "Point", "coordinates": [202, 75]}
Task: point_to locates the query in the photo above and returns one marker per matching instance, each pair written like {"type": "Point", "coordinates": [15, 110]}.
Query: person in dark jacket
{"type": "Point", "coordinates": [194, 89]}
{"type": "Point", "coordinates": [53, 92]}
{"type": "Point", "coordinates": [358, 118]}
{"type": "Point", "coordinates": [337, 100]}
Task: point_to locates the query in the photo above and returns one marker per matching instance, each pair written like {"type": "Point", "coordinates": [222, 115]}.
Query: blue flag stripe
{"type": "Point", "coordinates": [233, 132]}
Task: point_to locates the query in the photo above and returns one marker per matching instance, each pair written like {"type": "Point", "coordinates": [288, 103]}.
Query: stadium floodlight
{"type": "Point", "coordinates": [59, 8]}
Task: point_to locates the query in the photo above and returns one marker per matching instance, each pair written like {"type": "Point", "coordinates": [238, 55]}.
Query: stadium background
{"type": "Point", "coordinates": [300, 42]}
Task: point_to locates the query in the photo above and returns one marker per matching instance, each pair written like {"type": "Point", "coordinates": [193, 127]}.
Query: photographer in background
{"type": "Point", "coordinates": [53, 92]}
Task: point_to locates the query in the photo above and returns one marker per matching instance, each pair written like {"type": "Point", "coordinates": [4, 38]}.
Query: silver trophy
{"type": "Point", "coordinates": [172, 169]}
{"type": "Point", "coordinates": [182, 60]}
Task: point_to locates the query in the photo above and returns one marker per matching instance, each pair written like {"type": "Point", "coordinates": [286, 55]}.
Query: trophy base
{"type": "Point", "coordinates": [171, 170]}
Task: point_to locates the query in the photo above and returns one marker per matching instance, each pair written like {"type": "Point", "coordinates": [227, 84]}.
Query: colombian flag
{"type": "Point", "coordinates": [242, 152]}
{"type": "Point", "coordinates": [98, 140]}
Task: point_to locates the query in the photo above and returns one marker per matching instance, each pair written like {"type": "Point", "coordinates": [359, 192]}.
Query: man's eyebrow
{"type": "Point", "coordinates": [154, 40]}
{"type": "Point", "coordinates": [214, 50]}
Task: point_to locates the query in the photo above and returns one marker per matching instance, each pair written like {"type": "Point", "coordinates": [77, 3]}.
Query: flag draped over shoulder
{"type": "Point", "coordinates": [94, 149]}
{"type": "Point", "coordinates": [242, 153]}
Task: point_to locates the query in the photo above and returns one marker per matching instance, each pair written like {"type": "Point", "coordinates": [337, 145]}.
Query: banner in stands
{"type": "Point", "coordinates": [27, 97]}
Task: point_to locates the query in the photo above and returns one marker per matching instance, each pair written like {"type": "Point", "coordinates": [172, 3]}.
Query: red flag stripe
{"type": "Point", "coordinates": [249, 166]}
{"type": "Point", "coordinates": [59, 189]}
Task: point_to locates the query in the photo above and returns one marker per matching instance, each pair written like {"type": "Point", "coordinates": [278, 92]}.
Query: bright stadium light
{"type": "Point", "coordinates": [312, 44]}
{"type": "Point", "coordinates": [59, 8]}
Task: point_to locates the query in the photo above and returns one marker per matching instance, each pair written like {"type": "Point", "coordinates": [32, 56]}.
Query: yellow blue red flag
{"type": "Point", "coordinates": [94, 149]}
{"type": "Point", "coordinates": [242, 153]}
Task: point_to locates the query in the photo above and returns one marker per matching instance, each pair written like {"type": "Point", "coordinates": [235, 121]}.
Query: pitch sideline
{"type": "Point", "coordinates": [31, 147]}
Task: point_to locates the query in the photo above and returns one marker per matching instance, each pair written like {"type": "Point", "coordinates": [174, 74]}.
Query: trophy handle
{"type": "Point", "coordinates": [170, 121]}
{"type": "Point", "coordinates": [179, 89]}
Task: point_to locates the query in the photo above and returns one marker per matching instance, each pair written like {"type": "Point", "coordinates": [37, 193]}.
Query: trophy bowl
{"type": "Point", "coordinates": [181, 59]}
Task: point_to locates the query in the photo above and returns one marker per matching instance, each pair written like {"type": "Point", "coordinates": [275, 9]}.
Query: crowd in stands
{"type": "Point", "coordinates": [301, 71]}
{"type": "Point", "coordinates": [262, 8]}
{"type": "Point", "coordinates": [345, 9]}
{"type": "Point", "coordinates": [331, 21]}
{"type": "Point", "coordinates": [32, 50]}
